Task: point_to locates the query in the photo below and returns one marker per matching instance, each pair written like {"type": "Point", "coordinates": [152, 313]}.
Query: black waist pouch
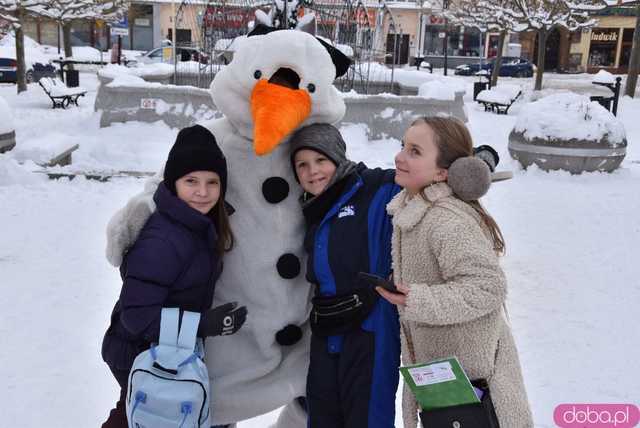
{"type": "Point", "coordinates": [476, 415]}
{"type": "Point", "coordinates": [334, 315]}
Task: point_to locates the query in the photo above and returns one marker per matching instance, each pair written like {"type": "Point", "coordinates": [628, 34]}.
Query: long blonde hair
{"type": "Point", "coordinates": [453, 140]}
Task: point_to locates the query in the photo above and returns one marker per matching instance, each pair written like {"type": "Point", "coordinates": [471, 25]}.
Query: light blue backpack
{"type": "Point", "coordinates": [169, 384]}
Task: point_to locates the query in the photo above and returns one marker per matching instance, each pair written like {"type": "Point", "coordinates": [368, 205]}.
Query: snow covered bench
{"type": "Point", "coordinates": [63, 158]}
{"type": "Point", "coordinates": [499, 98]}
{"type": "Point", "coordinates": [59, 93]}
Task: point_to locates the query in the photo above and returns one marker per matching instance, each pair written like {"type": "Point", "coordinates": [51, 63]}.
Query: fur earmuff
{"type": "Point", "coordinates": [469, 178]}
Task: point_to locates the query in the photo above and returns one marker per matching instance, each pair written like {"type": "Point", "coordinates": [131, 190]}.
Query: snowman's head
{"type": "Point", "coordinates": [278, 82]}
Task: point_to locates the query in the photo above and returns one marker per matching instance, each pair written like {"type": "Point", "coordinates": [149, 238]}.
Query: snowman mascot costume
{"type": "Point", "coordinates": [277, 82]}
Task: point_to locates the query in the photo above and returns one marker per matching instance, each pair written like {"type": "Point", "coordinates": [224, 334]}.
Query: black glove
{"type": "Point", "coordinates": [222, 320]}
{"type": "Point", "coordinates": [489, 155]}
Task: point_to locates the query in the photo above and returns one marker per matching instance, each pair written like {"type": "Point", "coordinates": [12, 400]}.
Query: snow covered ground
{"type": "Point", "coordinates": [572, 261]}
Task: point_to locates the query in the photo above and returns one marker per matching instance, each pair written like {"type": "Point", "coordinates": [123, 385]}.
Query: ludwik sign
{"type": "Point", "coordinates": [604, 36]}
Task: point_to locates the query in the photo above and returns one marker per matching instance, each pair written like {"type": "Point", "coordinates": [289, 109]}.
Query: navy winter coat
{"type": "Point", "coordinates": [350, 232]}
{"type": "Point", "coordinates": [353, 377]}
{"type": "Point", "coordinates": [173, 263]}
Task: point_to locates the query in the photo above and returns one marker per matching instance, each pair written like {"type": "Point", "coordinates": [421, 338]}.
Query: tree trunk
{"type": "Point", "coordinates": [634, 61]}
{"type": "Point", "coordinates": [542, 50]}
{"type": "Point", "coordinates": [66, 36]}
{"type": "Point", "coordinates": [21, 71]}
{"type": "Point", "coordinates": [498, 61]}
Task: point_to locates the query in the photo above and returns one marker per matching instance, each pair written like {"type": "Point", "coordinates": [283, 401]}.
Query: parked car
{"type": "Point", "coordinates": [510, 67]}
{"type": "Point", "coordinates": [35, 70]}
{"type": "Point", "coordinates": [184, 54]}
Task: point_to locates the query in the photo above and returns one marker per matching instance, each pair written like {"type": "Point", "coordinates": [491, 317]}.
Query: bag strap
{"type": "Point", "coordinates": [169, 326]}
{"type": "Point", "coordinates": [188, 330]}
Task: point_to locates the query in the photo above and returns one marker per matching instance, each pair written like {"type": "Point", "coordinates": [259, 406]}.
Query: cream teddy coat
{"type": "Point", "coordinates": [442, 251]}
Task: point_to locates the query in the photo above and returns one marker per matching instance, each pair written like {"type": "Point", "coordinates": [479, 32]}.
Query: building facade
{"type": "Point", "coordinates": [420, 30]}
{"type": "Point", "coordinates": [608, 45]}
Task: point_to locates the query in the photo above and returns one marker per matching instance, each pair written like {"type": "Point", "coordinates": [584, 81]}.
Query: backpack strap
{"type": "Point", "coordinates": [188, 330]}
{"type": "Point", "coordinates": [169, 326]}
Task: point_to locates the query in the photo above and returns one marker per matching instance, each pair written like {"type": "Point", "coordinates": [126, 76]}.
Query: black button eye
{"type": "Point", "coordinates": [311, 87]}
{"type": "Point", "coordinates": [257, 74]}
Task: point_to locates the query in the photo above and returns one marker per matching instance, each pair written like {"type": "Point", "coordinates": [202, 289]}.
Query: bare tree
{"type": "Point", "coordinates": [634, 61]}
{"type": "Point", "coordinates": [544, 16]}
{"type": "Point", "coordinates": [486, 15]}
{"type": "Point", "coordinates": [14, 12]}
{"type": "Point", "coordinates": [67, 11]}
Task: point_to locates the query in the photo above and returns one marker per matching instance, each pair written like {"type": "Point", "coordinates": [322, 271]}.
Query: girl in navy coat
{"type": "Point", "coordinates": [176, 259]}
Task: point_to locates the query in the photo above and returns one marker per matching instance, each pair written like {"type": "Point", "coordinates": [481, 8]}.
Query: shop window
{"type": "Point", "coordinates": [461, 42]}
{"type": "Point", "coordinates": [81, 33]}
{"type": "Point", "coordinates": [432, 42]}
{"type": "Point", "coordinates": [627, 44]}
{"type": "Point", "coordinates": [472, 43]}
{"type": "Point", "coordinates": [627, 35]}
{"type": "Point", "coordinates": [183, 37]}
{"type": "Point", "coordinates": [604, 42]}
{"type": "Point", "coordinates": [494, 41]}
{"type": "Point", "coordinates": [602, 56]}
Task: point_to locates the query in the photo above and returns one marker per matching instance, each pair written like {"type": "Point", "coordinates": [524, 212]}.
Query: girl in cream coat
{"type": "Point", "coordinates": [446, 266]}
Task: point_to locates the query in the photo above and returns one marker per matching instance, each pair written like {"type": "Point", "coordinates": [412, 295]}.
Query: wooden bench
{"type": "Point", "coordinates": [59, 93]}
{"type": "Point", "coordinates": [499, 98]}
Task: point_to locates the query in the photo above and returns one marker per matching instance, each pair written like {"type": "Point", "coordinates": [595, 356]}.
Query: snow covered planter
{"type": "Point", "coordinates": [7, 133]}
{"type": "Point", "coordinates": [567, 131]}
{"type": "Point", "coordinates": [387, 115]}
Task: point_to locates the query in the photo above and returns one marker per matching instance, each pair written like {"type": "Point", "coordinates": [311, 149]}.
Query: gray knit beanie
{"type": "Point", "coordinates": [326, 139]}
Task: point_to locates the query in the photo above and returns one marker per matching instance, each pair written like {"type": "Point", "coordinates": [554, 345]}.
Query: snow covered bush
{"type": "Point", "coordinates": [569, 132]}
{"type": "Point", "coordinates": [568, 116]}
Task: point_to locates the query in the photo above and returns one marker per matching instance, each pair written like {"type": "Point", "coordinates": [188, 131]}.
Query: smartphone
{"type": "Point", "coordinates": [378, 281]}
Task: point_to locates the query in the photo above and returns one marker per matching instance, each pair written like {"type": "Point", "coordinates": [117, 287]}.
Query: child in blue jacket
{"type": "Point", "coordinates": [355, 341]}
{"type": "Point", "coordinates": [176, 259]}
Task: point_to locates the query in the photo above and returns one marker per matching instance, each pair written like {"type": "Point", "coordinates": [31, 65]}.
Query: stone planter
{"type": "Point", "coordinates": [575, 156]}
{"type": "Point", "coordinates": [180, 106]}
{"type": "Point", "coordinates": [7, 141]}
{"type": "Point", "coordinates": [390, 115]}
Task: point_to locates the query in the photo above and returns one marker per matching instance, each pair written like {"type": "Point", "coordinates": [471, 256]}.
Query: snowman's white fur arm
{"type": "Point", "coordinates": [125, 225]}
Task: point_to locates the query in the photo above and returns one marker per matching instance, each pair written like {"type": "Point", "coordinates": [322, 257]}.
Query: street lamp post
{"type": "Point", "coordinates": [420, 35]}
{"type": "Point", "coordinates": [445, 6]}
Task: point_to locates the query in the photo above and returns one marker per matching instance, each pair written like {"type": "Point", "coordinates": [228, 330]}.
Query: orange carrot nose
{"type": "Point", "coordinates": [276, 112]}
